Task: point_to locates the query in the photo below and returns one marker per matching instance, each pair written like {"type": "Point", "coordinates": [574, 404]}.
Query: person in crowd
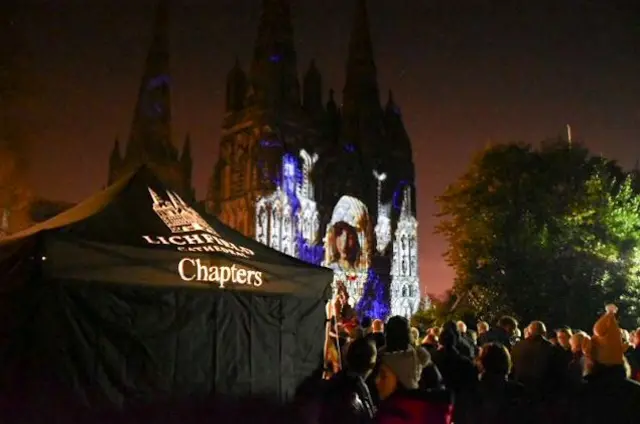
{"type": "Point", "coordinates": [435, 331]}
{"type": "Point", "coordinates": [462, 346]}
{"type": "Point", "coordinates": [415, 336]}
{"type": "Point", "coordinates": [633, 355]}
{"type": "Point", "coordinates": [504, 332]}
{"type": "Point", "coordinates": [526, 333]}
{"type": "Point", "coordinates": [483, 330]}
{"type": "Point", "coordinates": [353, 334]}
{"type": "Point", "coordinates": [608, 395]}
{"type": "Point", "coordinates": [430, 343]}
{"type": "Point", "coordinates": [494, 399]}
{"type": "Point", "coordinates": [564, 336]}
{"type": "Point", "coordinates": [577, 364]}
{"type": "Point", "coordinates": [563, 348]}
{"type": "Point", "coordinates": [347, 398]}
{"type": "Point", "coordinates": [377, 333]}
{"type": "Point", "coordinates": [467, 338]}
{"type": "Point", "coordinates": [552, 337]}
{"type": "Point", "coordinates": [458, 370]}
{"type": "Point", "coordinates": [397, 334]}
{"type": "Point", "coordinates": [534, 361]}
{"type": "Point", "coordinates": [397, 383]}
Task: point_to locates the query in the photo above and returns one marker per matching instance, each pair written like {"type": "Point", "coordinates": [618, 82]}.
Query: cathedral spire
{"type": "Point", "coordinates": [361, 87]}
{"type": "Point", "coordinates": [150, 137]}
{"type": "Point", "coordinates": [274, 73]}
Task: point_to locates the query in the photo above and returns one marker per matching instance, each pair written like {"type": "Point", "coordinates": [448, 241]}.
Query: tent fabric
{"type": "Point", "coordinates": [93, 303]}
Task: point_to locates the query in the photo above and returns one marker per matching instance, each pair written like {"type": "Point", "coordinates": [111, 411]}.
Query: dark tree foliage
{"type": "Point", "coordinates": [550, 233]}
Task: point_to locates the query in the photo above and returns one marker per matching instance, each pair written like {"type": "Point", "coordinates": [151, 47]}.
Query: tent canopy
{"type": "Point", "coordinates": [138, 232]}
{"type": "Point", "coordinates": [132, 296]}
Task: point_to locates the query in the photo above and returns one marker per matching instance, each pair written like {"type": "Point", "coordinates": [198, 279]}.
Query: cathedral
{"type": "Point", "coordinates": [330, 182]}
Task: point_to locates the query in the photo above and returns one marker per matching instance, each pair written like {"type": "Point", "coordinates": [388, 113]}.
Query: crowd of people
{"type": "Point", "coordinates": [392, 373]}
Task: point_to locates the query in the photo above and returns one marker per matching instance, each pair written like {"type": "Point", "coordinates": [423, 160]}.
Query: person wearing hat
{"type": "Point", "coordinates": [397, 383]}
{"type": "Point", "coordinates": [607, 395]}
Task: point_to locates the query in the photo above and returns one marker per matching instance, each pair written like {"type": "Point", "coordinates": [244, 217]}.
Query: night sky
{"type": "Point", "coordinates": [490, 71]}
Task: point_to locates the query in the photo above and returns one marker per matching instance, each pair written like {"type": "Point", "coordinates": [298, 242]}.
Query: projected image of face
{"type": "Point", "coordinates": [349, 236]}
{"type": "Point", "coordinates": [346, 251]}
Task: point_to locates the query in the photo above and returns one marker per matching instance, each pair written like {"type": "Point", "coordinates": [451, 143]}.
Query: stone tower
{"type": "Point", "coordinates": [150, 139]}
{"type": "Point", "coordinates": [405, 283]}
{"type": "Point", "coordinates": [265, 120]}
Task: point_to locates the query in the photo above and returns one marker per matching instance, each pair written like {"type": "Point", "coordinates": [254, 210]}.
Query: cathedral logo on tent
{"type": "Point", "coordinates": [190, 232]}
{"type": "Point", "coordinates": [178, 215]}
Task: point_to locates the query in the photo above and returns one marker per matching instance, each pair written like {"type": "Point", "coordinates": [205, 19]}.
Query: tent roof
{"type": "Point", "coordinates": [138, 217]}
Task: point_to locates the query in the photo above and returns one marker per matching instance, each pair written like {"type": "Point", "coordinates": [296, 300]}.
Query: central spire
{"type": "Point", "coordinates": [274, 73]}
{"type": "Point", "coordinates": [150, 137]}
{"type": "Point", "coordinates": [361, 87]}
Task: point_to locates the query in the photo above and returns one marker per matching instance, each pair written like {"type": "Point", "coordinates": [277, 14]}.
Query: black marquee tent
{"type": "Point", "coordinates": [132, 296]}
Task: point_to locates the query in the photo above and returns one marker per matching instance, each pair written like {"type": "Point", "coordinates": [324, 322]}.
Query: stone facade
{"type": "Point", "coordinates": [270, 115]}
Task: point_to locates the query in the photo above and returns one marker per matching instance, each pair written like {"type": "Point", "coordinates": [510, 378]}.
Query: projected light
{"type": "Point", "coordinates": [383, 226]}
{"type": "Point", "coordinates": [405, 285]}
{"type": "Point", "coordinates": [288, 219]}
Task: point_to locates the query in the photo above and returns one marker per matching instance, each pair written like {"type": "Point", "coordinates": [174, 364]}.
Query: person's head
{"type": "Point", "coordinates": [436, 331]}
{"type": "Point", "coordinates": [415, 336]}
{"type": "Point", "coordinates": [564, 335]}
{"type": "Point", "coordinates": [482, 327]}
{"type": "Point", "coordinates": [462, 327]}
{"type": "Point", "coordinates": [537, 328]}
{"type": "Point", "coordinates": [377, 326]}
{"type": "Point", "coordinates": [346, 242]}
{"type": "Point", "coordinates": [494, 359]}
{"type": "Point", "coordinates": [636, 339]}
{"type": "Point", "coordinates": [397, 334]}
{"type": "Point", "coordinates": [450, 336]}
{"type": "Point", "coordinates": [400, 370]}
{"type": "Point", "coordinates": [508, 324]}
{"type": "Point", "coordinates": [361, 357]}
{"type": "Point", "coordinates": [577, 341]}
{"type": "Point", "coordinates": [430, 339]}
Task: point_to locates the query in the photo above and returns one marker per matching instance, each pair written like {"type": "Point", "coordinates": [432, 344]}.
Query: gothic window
{"type": "Point", "coordinates": [262, 223]}
{"type": "Point", "coordinates": [404, 291]}
{"type": "Point", "coordinates": [276, 225]}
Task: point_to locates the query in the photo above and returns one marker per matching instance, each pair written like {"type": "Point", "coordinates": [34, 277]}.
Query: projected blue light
{"type": "Point", "coordinates": [309, 253]}
{"type": "Point", "coordinates": [270, 143]}
{"type": "Point", "coordinates": [398, 194]}
{"type": "Point", "coordinates": [159, 81]}
{"type": "Point", "coordinates": [374, 302]}
{"type": "Point", "coordinates": [275, 58]}
{"type": "Point", "coordinates": [350, 148]}
{"type": "Point", "coordinates": [291, 177]}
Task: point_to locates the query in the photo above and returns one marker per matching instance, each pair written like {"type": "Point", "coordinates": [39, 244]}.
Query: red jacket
{"type": "Point", "coordinates": [416, 407]}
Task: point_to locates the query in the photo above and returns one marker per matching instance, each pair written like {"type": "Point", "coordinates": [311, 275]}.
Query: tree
{"type": "Point", "coordinates": [547, 233]}
{"type": "Point", "coordinates": [450, 307]}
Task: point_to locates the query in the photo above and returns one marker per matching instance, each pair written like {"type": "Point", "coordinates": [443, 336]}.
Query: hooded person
{"type": "Point", "coordinates": [607, 395]}
{"type": "Point", "coordinates": [397, 383]}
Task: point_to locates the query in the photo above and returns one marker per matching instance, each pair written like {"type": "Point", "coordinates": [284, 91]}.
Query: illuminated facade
{"type": "Point", "coordinates": [405, 283]}
{"type": "Point", "coordinates": [313, 180]}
